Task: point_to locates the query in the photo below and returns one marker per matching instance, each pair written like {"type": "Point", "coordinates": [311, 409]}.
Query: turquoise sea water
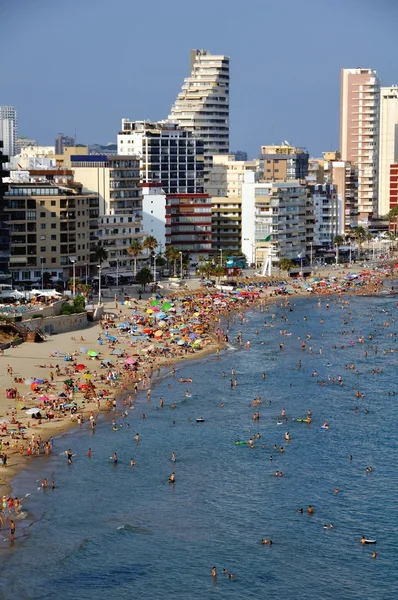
{"type": "Point", "coordinates": [121, 532]}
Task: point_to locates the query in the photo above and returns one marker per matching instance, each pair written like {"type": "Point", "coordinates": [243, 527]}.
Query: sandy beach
{"type": "Point", "coordinates": [36, 373]}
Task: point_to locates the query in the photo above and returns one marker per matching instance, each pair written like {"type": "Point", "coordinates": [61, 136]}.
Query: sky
{"type": "Point", "coordinates": [83, 65]}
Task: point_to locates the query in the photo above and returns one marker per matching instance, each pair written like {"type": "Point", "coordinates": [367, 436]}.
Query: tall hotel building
{"type": "Point", "coordinates": [202, 106]}
{"type": "Point", "coordinates": [359, 134]}
{"type": "Point", "coordinates": [388, 143]}
{"type": "Point", "coordinates": [8, 129]}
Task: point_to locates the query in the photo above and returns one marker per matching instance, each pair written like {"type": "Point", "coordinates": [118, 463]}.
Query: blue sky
{"type": "Point", "coordinates": [84, 64]}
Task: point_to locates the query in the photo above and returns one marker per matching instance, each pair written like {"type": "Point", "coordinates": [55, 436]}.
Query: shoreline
{"type": "Point", "coordinates": [59, 428]}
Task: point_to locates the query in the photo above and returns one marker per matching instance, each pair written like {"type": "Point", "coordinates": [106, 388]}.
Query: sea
{"type": "Point", "coordinates": [115, 531]}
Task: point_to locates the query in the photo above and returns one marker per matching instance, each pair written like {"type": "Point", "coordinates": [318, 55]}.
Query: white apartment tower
{"type": "Point", "coordinates": [8, 129]}
{"type": "Point", "coordinates": [388, 152]}
{"type": "Point", "coordinates": [359, 134]}
{"type": "Point", "coordinates": [202, 106]}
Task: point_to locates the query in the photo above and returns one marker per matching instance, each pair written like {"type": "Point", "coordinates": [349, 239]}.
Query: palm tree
{"type": "Point", "coordinates": [206, 269]}
{"type": "Point", "coordinates": [144, 276]}
{"type": "Point", "coordinates": [339, 240]}
{"type": "Point", "coordinates": [150, 243]}
{"type": "Point", "coordinates": [218, 272]}
{"type": "Point", "coordinates": [100, 254]}
{"type": "Point", "coordinates": [172, 255]}
{"type": "Point", "coordinates": [360, 236]}
{"type": "Point", "coordinates": [286, 264]}
{"type": "Point", "coordinates": [135, 250]}
{"type": "Point", "coordinates": [393, 218]}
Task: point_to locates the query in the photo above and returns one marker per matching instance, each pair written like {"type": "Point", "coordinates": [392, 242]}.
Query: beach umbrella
{"type": "Point", "coordinates": [34, 386]}
{"type": "Point", "coordinates": [62, 395]}
{"type": "Point", "coordinates": [44, 399]}
{"type": "Point", "coordinates": [111, 338]}
{"type": "Point", "coordinates": [68, 381]}
{"type": "Point", "coordinates": [155, 303]}
{"type": "Point", "coordinates": [149, 311]}
{"type": "Point", "coordinates": [130, 360]}
{"type": "Point", "coordinates": [117, 351]}
{"type": "Point", "coordinates": [166, 306]}
{"type": "Point", "coordinates": [193, 335]}
{"type": "Point", "coordinates": [158, 333]}
{"type": "Point", "coordinates": [80, 367]}
{"type": "Point", "coordinates": [92, 353]}
{"type": "Point", "coordinates": [83, 349]}
{"type": "Point", "coordinates": [162, 324]}
{"type": "Point", "coordinates": [87, 376]}
{"type": "Point", "coordinates": [180, 342]}
{"type": "Point", "coordinates": [32, 411]}
{"type": "Point", "coordinates": [29, 381]}
{"type": "Point", "coordinates": [83, 386]}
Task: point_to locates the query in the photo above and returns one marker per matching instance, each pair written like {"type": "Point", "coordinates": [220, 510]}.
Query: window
{"type": "Point", "coordinates": [53, 214]}
{"type": "Point", "coordinates": [42, 225]}
{"type": "Point", "coordinates": [54, 237]}
{"type": "Point", "coordinates": [42, 202]}
{"type": "Point", "coordinates": [53, 260]}
{"type": "Point", "coordinates": [31, 215]}
{"type": "Point", "coordinates": [53, 226]}
{"type": "Point", "coordinates": [53, 203]}
{"type": "Point", "coordinates": [42, 215]}
{"type": "Point", "coordinates": [42, 237]}
{"type": "Point", "coordinates": [53, 248]}
{"type": "Point", "coordinates": [42, 248]}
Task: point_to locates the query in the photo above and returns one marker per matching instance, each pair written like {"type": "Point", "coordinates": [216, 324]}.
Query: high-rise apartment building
{"type": "Point", "coordinates": [388, 145]}
{"type": "Point", "coordinates": [344, 176]}
{"type": "Point", "coordinates": [53, 225]}
{"type": "Point", "coordinates": [277, 219]}
{"type": "Point", "coordinates": [116, 181]}
{"type": "Point", "coordinates": [328, 214]}
{"type": "Point", "coordinates": [4, 232]}
{"type": "Point", "coordinates": [284, 163]}
{"type": "Point", "coordinates": [202, 106]}
{"type": "Point", "coordinates": [225, 188]}
{"type": "Point", "coordinates": [359, 133]}
{"type": "Point", "coordinates": [169, 154]}
{"type": "Point", "coordinates": [9, 129]}
{"type": "Point", "coordinates": [188, 223]}
{"type": "Point", "coordinates": [62, 141]}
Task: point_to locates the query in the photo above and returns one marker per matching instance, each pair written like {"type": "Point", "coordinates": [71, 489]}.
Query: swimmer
{"type": "Point", "coordinates": [363, 540]}
{"type": "Point", "coordinates": [374, 554]}
{"type": "Point", "coordinates": [336, 490]}
{"type": "Point", "coordinates": [172, 478]}
{"type": "Point", "coordinates": [214, 572]}
{"type": "Point", "coordinates": [300, 510]}
{"type": "Point", "coordinates": [287, 436]}
{"type": "Point", "coordinates": [265, 541]}
{"type": "Point", "coordinates": [173, 457]}
{"type": "Point", "coordinates": [132, 462]}
{"type": "Point", "coordinates": [115, 459]}
{"type": "Point", "coordinates": [310, 510]}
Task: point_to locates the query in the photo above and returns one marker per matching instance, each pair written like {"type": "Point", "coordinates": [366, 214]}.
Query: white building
{"type": "Point", "coordinates": [388, 152]}
{"type": "Point", "coordinates": [116, 180]}
{"type": "Point", "coordinates": [277, 219]}
{"type": "Point", "coordinates": [359, 134]}
{"type": "Point", "coordinates": [8, 129]}
{"type": "Point", "coordinates": [154, 213]}
{"type": "Point", "coordinates": [328, 214]}
{"type": "Point", "coordinates": [202, 106]}
{"type": "Point", "coordinates": [169, 154]}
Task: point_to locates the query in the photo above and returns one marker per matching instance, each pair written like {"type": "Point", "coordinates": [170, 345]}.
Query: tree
{"type": "Point", "coordinates": [100, 254]}
{"type": "Point", "coordinates": [286, 264]}
{"type": "Point", "coordinates": [339, 240]}
{"type": "Point", "coordinates": [359, 234]}
{"type": "Point", "coordinates": [392, 217]}
{"type": "Point", "coordinates": [206, 269]}
{"type": "Point", "coordinates": [172, 255]}
{"type": "Point", "coordinates": [135, 249]}
{"type": "Point", "coordinates": [218, 272]}
{"type": "Point", "coordinates": [143, 277]}
{"type": "Point", "coordinates": [150, 243]}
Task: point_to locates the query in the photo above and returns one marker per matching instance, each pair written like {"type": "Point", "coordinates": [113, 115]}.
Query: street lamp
{"type": "Point", "coordinates": [311, 254]}
{"type": "Point", "coordinates": [221, 260]}
{"type": "Point", "coordinates": [86, 273]}
{"type": "Point", "coordinates": [42, 274]}
{"type": "Point", "coordinates": [99, 283]}
{"type": "Point", "coordinates": [337, 254]}
{"type": "Point", "coordinates": [180, 253]}
{"type": "Point", "coordinates": [117, 272]}
{"type": "Point", "coordinates": [73, 261]}
{"type": "Point", "coordinates": [154, 270]}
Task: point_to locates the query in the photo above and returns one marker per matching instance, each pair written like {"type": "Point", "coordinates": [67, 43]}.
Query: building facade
{"type": "Point", "coordinates": [284, 163]}
{"type": "Point", "coordinates": [61, 141]}
{"type": "Point", "coordinates": [344, 176]}
{"type": "Point", "coordinates": [277, 220]}
{"type": "Point", "coordinates": [4, 231]}
{"type": "Point", "coordinates": [393, 186]}
{"type": "Point", "coordinates": [154, 213]}
{"type": "Point", "coordinates": [359, 134]}
{"type": "Point", "coordinates": [388, 152]}
{"type": "Point", "coordinates": [202, 106]}
{"type": "Point", "coordinates": [9, 129]}
{"type": "Point", "coordinates": [53, 224]}
{"type": "Point", "coordinates": [189, 224]}
{"type": "Point", "coordinates": [116, 181]}
{"type": "Point", "coordinates": [225, 188]}
{"type": "Point", "coordinates": [328, 217]}
{"type": "Point", "coordinates": [169, 155]}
